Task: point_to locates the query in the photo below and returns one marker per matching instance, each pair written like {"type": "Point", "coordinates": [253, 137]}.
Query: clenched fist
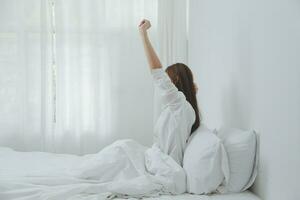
{"type": "Point", "coordinates": [144, 25]}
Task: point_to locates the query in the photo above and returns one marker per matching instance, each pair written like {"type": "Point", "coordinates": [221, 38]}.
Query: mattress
{"type": "Point", "coordinates": [247, 195]}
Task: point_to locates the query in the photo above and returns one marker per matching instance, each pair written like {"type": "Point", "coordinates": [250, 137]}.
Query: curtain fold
{"type": "Point", "coordinates": [172, 31]}
{"type": "Point", "coordinates": [97, 87]}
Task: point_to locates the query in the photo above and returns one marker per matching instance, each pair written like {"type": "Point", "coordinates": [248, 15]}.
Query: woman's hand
{"type": "Point", "coordinates": [144, 26]}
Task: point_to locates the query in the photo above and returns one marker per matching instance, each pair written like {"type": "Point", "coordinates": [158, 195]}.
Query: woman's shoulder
{"type": "Point", "coordinates": [184, 110]}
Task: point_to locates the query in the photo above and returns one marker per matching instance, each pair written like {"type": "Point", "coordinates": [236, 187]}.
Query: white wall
{"type": "Point", "coordinates": [246, 56]}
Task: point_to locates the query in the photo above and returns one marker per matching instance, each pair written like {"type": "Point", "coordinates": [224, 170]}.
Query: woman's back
{"type": "Point", "coordinates": [177, 117]}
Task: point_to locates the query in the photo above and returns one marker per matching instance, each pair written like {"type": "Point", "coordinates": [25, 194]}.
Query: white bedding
{"type": "Point", "coordinates": [125, 167]}
{"type": "Point", "coordinates": [238, 196]}
{"type": "Point", "coordinates": [37, 175]}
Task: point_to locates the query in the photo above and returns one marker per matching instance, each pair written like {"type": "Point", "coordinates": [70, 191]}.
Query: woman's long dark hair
{"type": "Point", "coordinates": [183, 79]}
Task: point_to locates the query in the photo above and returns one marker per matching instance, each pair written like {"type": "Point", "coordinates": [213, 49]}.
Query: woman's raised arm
{"type": "Point", "coordinates": [170, 95]}
{"type": "Point", "coordinates": [153, 60]}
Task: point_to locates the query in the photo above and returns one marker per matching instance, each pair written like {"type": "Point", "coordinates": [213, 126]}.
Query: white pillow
{"type": "Point", "coordinates": [202, 161]}
{"type": "Point", "coordinates": [242, 152]}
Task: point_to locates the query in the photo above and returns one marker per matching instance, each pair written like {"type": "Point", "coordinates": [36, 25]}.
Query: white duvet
{"type": "Point", "coordinates": [122, 169]}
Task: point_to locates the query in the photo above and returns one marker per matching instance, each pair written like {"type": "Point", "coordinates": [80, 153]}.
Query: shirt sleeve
{"type": "Point", "coordinates": [167, 90]}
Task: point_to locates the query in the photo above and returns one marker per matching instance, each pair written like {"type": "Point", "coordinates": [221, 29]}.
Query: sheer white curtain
{"type": "Point", "coordinates": [103, 85]}
{"type": "Point", "coordinates": [24, 76]}
{"type": "Point", "coordinates": [81, 80]}
{"type": "Point", "coordinates": [172, 31]}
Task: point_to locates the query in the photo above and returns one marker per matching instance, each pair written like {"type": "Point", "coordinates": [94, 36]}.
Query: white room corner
{"type": "Point", "coordinates": [246, 54]}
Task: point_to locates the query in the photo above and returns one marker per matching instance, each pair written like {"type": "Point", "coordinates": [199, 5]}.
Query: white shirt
{"type": "Point", "coordinates": [173, 126]}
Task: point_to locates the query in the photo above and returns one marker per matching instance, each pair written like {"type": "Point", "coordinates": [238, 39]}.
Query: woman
{"type": "Point", "coordinates": [124, 168]}
{"type": "Point", "coordinates": [180, 115]}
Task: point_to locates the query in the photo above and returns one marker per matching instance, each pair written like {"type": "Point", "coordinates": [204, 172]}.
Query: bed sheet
{"type": "Point", "coordinates": [247, 195]}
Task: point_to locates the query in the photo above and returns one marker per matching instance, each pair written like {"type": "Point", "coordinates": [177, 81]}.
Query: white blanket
{"type": "Point", "coordinates": [123, 169]}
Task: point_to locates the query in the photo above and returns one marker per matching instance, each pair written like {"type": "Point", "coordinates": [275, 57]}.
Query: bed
{"type": "Point", "coordinates": [20, 179]}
